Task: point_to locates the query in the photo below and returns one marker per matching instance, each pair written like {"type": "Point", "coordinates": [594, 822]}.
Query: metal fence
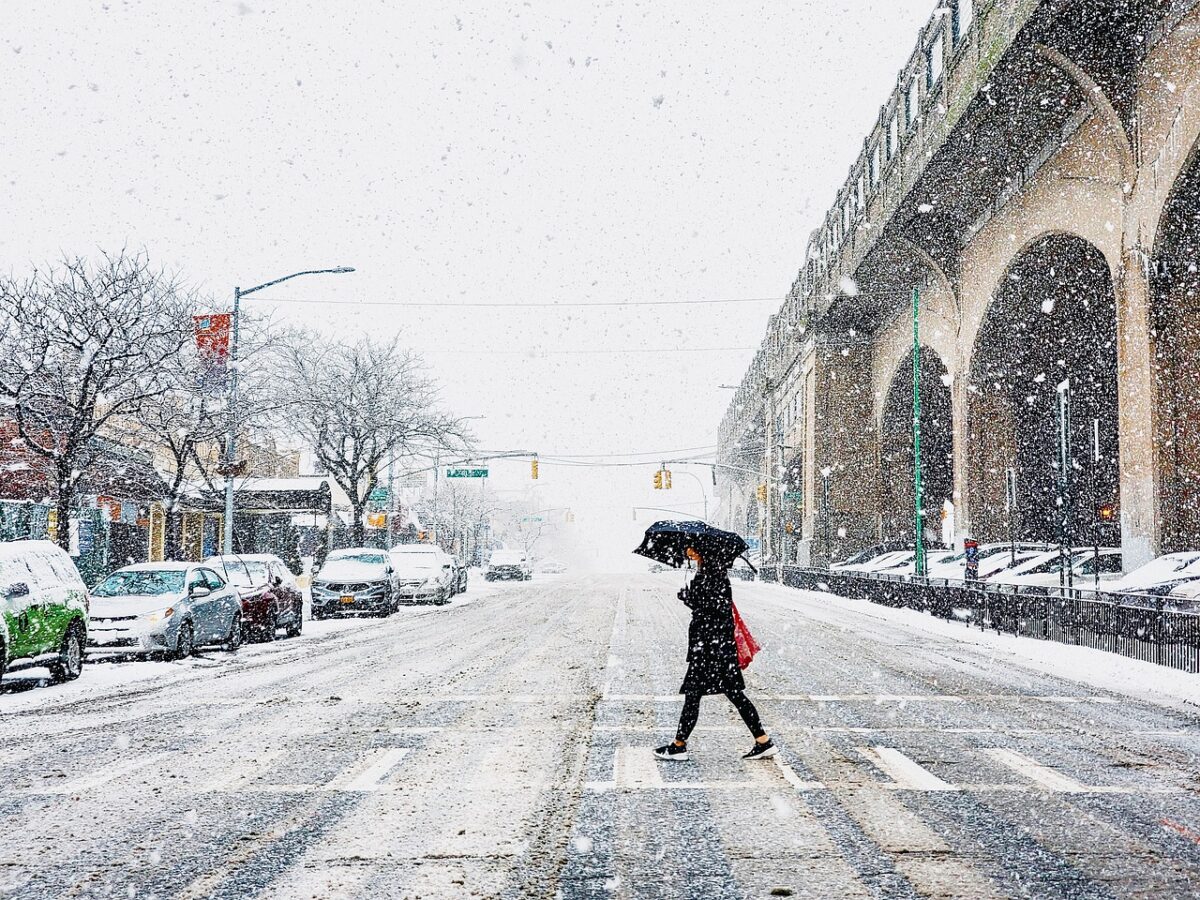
{"type": "Point", "coordinates": [1150, 628]}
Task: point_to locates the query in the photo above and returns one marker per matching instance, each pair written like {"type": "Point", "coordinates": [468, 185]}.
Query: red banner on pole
{"type": "Point", "coordinates": [212, 348]}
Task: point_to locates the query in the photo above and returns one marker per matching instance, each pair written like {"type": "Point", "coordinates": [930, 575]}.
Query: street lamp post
{"type": "Point", "coordinates": [918, 511]}
{"type": "Point", "coordinates": [231, 434]}
{"type": "Point", "coordinates": [825, 475]}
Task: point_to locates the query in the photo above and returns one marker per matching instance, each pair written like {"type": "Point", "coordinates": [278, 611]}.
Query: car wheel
{"type": "Point", "coordinates": [185, 644]}
{"type": "Point", "coordinates": [443, 597]}
{"type": "Point", "coordinates": [236, 633]}
{"type": "Point", "coordinates": [267, 633]}
{"type": "Point", "coordinates": [70, 657]}
{"type": "Point", "coordinates": [297, 624]}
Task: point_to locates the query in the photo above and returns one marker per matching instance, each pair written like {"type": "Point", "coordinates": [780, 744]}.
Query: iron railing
{"type": "Point", "coordinates": [1141, 626]}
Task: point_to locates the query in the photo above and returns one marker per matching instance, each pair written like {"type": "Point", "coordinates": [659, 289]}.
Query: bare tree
{"type": "Point", "coordinates": [83, 344]}
{"type": "Point", "coordinates": [359, 405]}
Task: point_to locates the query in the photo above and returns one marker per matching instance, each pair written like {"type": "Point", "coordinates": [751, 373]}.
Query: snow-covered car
{"type": "Point", "coordinates": [864, 556]}
{"type": "Point", "coordinates": [880, 562]}
{"type": "Point", "coordinates": [353, 582]}
{"type": "Point", "coordinates": [1160, 576]}
{"type": "Point", "coordinates": [508, 565]}
{"type": "Point", "coordinates": [43, 609]}
{"type": "Point", "coordinates": [550, 567]}
{"type": "Point", "coordinates": [167, 608]}
{"type": "Point", "coordinates": [271, 598]}
{"type": "Point", "coordinates": [1045, 571]}
{"type": "Point", "coordinates": [424, 573]}
{"type": "Point", "coordinates": [993, 558]}
{"type": "Point", "coordinates": [909, 566]}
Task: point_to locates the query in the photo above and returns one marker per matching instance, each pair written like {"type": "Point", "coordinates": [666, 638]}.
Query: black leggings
{"type": "Point", "coordinates": [691, 713]}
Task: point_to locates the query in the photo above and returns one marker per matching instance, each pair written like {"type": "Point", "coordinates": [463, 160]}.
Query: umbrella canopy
{"type": "Point", "coordinates": [665, 542]}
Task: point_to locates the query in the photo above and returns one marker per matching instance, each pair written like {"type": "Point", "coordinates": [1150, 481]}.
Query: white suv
{"type": "Point", "coordinates": [424, 573]}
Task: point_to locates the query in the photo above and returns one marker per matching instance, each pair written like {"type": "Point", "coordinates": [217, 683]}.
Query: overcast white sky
{"type": "Point", "coordinates": [526, 153]}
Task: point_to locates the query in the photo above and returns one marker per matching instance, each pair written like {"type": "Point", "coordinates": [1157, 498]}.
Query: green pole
{"type": "Point", "coordinates": [917, 517]}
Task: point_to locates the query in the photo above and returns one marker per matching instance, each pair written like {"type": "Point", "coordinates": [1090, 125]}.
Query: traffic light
{"type": "Point", "coordinates": [762, 493]}
{"type": "Point", "coordinates": [533, 469]}
{"type": "Point", "coordinates": [658, 480]}
{"type": "Point", "coordinates": [666, 479]}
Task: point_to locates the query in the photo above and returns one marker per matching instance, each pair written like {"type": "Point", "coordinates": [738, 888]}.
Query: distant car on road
{"type": "Point", "coordinates": [355, 581]}
{"type": "Point", "coordinates": [424, 573]}
{"type": "Point", "coordinates": [167, 608]}
{"type": "Point", "coordinates": [271, 599]}
{"type": "Point", "coordinates": [43, 609]}
{"type": "Point", "coordinates": [508, 565]}
{"type": "Point", "coordinates": [550, 567]}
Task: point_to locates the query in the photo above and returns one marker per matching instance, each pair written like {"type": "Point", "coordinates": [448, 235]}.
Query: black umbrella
{"type": "Point", "coordinates": [665, 542]}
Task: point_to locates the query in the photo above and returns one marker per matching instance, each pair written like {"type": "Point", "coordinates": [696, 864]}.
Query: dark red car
{"type": "Point", "coordinates": [271, 599]}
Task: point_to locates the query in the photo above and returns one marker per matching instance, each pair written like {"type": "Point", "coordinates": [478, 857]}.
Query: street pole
{"type": "Point", "coordinates": [231, 411]}
{"type": "Point", "coordinates": [825, 474]}
{"type": "Point", "coordinates": [918, 512]}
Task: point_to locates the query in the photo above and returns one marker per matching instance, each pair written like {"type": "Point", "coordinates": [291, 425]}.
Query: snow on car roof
{"type": "Point", "coordinates": [158, 567]}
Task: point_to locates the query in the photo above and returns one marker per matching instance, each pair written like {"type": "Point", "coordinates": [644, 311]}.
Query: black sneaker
{"type": "Point", "coordinates": [762, 751]}
{"type": "Point", "coordinates": [674, 752]}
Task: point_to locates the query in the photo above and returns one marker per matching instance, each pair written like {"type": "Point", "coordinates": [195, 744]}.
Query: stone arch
{"type": "Point", "coordinates": [1051, 318]}
{"type": "Point", "coordinates": [896, 448]}
{"type": "Point", "coordinates": [1175, 346]}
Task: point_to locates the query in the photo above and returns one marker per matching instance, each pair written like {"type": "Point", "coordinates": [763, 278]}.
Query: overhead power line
{"type": "Point", "coordinates": [598, 351]}
{"type": "Point", "coordinates": [566, 304]}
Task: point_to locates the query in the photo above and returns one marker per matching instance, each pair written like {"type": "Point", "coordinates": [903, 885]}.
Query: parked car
{"type": "Point", "coordinates": [424, 573]}
{"type": "Point", "coordinates": [1160, 576]}
{"type": "Point", "coordinates": [909, 566]}
{"type": "Point", "coordinates": [43, 610]}
{"type": "Point", "coordinates": [271, 599]}
{"type": "Point", "coordinates": [550, 567]}
{"type": "Point", "coordinates": [880, 562]}
{"type": "Point", "coordinates": [508, 565]}
{"type": "Point", "coordinates": [741, 570]}
{"type": "Point", "coordinates": [167, 608]}
{"type": "Point", "coordinates": [355, 581]}
{"type": "Point", "coordinates": [865, 556]}
{"type": "Point", "coordinates": [1046, 571]}
{"type": "Point", "coordinates": [993, 558]}
{"type": "Point", "coordinates": [461, 574]}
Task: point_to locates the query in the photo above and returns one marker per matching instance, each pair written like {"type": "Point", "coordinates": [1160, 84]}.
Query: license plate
{"type": "Point", "coordinates": [347, 599]}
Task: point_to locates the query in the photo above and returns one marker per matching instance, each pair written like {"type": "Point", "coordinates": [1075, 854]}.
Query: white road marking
{"type": "Point", "coordinates": [636, 767]}
{"type": "Point", "coordinates": [790, 776]}
{"type": "Point", "coordinates": [906, 773]}
{"type": "Point", "coordinates": [416, 729]}
{"type": "Point", "coordinates": [369, 772]}
{"type": "Point", "coordinates": [1041, 775]}
{"type": "Point", "coordinates": [238, 780]}
{"type": "Point", "coordinates": [105, 775]}
{"type": "Point", "coordinates": [617, 635]}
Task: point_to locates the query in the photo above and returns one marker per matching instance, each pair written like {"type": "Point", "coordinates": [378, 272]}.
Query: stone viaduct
{"type": "Point", "coordinates": [1035, 176]}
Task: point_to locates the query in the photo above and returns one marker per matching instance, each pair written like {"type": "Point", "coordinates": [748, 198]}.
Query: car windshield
{"type": "Point", "coordinates": [244, 573]}
{"type": "Point", "coordinates": [373, 559]}
{"type": "Point", "coordinates": [140, 583]}
{"type": "Point", "coordinates": [415, 560]}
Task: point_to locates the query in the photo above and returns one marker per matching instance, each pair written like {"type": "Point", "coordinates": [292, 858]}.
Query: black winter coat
{"type": "Point", "coordinates": [712, 654]}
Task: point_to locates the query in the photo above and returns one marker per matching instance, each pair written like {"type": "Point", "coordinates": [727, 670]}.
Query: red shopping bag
{"type": "Point", "coordinates": [747, 646]}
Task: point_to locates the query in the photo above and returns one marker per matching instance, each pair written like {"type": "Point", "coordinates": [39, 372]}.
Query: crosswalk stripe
{"type": "Point", "coordinates": [636, 767]}
{"type": "Point", "coordinates": [110, 773]}
{"type": "Point", "coordinates": [367, 775]}
{"type": "Point", "coordinates": [906, 773]}
{"type": "Point", "coordinates": [1042, 775]}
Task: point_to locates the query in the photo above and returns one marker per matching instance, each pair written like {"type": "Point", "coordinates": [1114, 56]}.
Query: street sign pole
{"type": "Point", "coordinates": [918, 512]}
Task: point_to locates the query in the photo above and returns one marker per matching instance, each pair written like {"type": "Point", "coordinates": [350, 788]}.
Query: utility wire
{"type": "Point", "coordinates": [566, 304]}
{"type": "Point", "coordinates": [603, 351]}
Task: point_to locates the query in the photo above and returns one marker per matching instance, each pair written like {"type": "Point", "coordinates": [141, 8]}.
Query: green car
{"type": "Point", "coordinates": [43, 609]}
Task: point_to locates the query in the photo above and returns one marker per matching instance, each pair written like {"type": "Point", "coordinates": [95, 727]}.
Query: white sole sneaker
{"type": "Point", "coordinates": [673, 757]}
{"type": "Point", "coordinates": [766, 754]}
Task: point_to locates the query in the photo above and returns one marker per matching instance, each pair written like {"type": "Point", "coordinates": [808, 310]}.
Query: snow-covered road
{"type": "Point", "coordinates": [499, 747]}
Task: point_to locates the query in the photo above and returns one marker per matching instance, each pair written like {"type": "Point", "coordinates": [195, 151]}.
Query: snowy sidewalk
{"type": "Point", "coordinates": [1094, 668]}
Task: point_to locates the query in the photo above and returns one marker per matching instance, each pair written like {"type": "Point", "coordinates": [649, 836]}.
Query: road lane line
{"type": "Point", "coordinates": [906, 773]}
{"type": "Point", "coordinates": [636, 767]}
{"type": "Point", "coordinates": [235, 781]}
{"type": "Point", "coordinates": [369, 772]}
{"type": "Point", "coordinates": [111, 773]}
{"type": "Point", "coordinates": [790, 776]}
{"type": "Point", "coordinates": [1042, 775]}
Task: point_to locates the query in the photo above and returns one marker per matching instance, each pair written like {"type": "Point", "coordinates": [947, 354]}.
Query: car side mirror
{"type": "Point", "coordinates": [198, 591]}
{"type": "Point", "coordinates": [446, 566]}
{"type": "Point", "coordinates": [17, 589]}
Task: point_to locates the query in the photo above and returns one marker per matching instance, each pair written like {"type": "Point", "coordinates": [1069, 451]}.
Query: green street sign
{"type": "Point", "coordinates": [379, 495]}
{"type": "Point", "coordinates": [467, 473]}
{"type": "Point", "coordinates": [793, 496]}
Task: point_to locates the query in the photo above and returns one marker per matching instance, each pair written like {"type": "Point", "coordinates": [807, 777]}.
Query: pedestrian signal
{"type": "Point", "coordinates": [533, 469]}
{"type": "Point", "coordinates": [762, 493]}
{"type": "Point", "coordinates": [666, 479]}
{"type": "Point", "coordinates": [658, 480]}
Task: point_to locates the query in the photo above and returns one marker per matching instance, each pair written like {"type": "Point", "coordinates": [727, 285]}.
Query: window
{"type": "Point", "coordinates": [873, 165]}
{"type": "Point", "coordinates": [860, 196]}
{"type": "Point", "coordinates": [893, 135]}
{"type": "Point", "coordinates": [963, 13]}
{"type": "Point", "coordinates": [912, 103]}
{"type": "Point", "coordinates": [934, 60]}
